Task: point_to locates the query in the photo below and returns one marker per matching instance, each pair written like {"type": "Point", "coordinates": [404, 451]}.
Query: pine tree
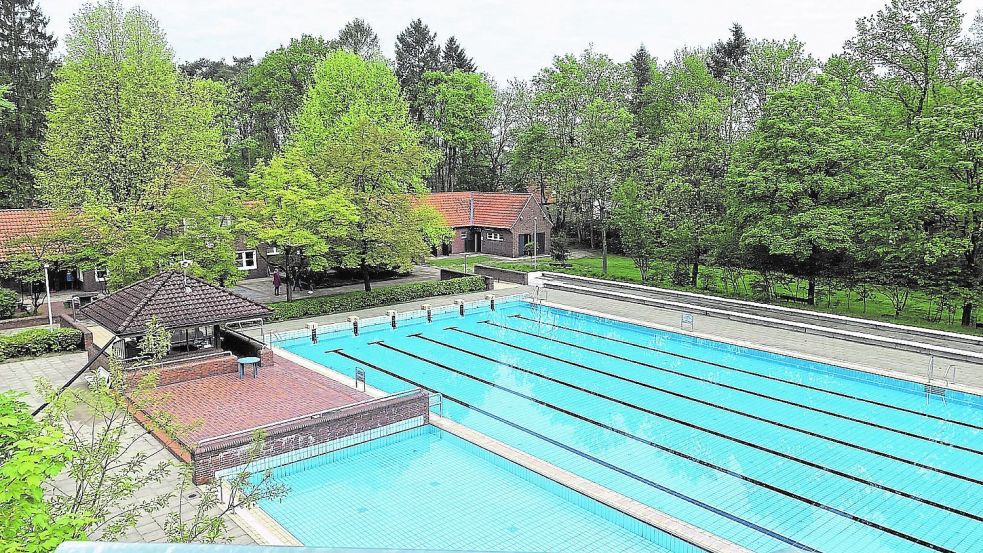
{"type": "Point", "coordinates": [641, 68]}
{"type": "Point", "coordinates": [358, 37]}
{"type": "Point", "coordinates": [417, 52]}
{"type": "Point", "coordinates": [26, 67]}
{"type": "Point", "coordinates": [455, 58]}
{"type": "Point", "coordinates": [731, 54]}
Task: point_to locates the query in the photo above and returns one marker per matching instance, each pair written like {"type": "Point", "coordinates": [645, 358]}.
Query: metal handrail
{"type": "Point", "coordinates": [76, 376]}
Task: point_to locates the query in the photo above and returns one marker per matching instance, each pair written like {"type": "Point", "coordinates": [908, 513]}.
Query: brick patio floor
{"type": "Point", "coordinates": [224, 404]}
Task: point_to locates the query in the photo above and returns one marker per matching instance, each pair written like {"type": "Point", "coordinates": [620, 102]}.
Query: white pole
{"type": "Point", "coordinates": [535, 243]}
{"type": "Point", "coordinates": [47, 290]}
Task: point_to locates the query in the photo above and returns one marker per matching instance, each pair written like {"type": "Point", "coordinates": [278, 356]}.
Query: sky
{"type": "Point", "coordinates": [506, 38]}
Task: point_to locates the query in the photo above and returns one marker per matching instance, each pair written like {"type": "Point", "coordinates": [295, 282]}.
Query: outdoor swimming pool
{"type": "Point", "coordinates": [767, 451]}
{"type": "Point", "coordinates": [397, 492]}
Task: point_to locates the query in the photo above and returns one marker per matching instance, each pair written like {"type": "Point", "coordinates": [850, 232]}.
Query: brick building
{"type": "Point", "coordinates": [493, 223]}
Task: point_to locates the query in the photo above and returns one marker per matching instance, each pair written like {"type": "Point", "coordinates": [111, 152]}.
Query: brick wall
{"type": "Point", "coordinates": [532, 218]}
{"type": "Point", "coordinates": [67, 321]}
{"type": "Point", "coordinates": [23, 322]}
{"type": "Point", "coordinates": [233, 451]}
{"type": "Point", "coordinates": [518, 277]}
{"type": "Point", "coordinates": [189, 370]}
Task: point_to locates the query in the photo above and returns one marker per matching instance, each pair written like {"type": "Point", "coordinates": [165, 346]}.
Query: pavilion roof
{"type": "Point", "coordinates": [179, 301]}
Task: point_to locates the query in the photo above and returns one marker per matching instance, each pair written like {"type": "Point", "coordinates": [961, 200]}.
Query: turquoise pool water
{"type": "Point", "coordinates": [425, 488]}
{"type": "Point", "coordinates": [770, 452]}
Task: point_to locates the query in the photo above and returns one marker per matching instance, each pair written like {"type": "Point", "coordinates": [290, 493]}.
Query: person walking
{"type": "Point", "coordinates": [276, 282]}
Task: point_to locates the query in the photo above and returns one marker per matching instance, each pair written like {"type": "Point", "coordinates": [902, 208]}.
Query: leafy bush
{"type": "Point", "coordinates": [353, 301]}
{"type": "Point", "coordinates": [38, 341]}
{"type": "Point", "coordinates": [8, 303]}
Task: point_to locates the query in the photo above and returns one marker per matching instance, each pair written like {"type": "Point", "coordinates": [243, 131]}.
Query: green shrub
{"type": "Point", "coordinates": [353, 301]}
{"type": "Point", "coordinates": [8, 303]}
{"type": "Point", "coordinates": [38, 341]}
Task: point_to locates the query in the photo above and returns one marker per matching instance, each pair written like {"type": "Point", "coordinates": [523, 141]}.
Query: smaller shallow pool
{"type": "Point", "coordinates": [428, 489]}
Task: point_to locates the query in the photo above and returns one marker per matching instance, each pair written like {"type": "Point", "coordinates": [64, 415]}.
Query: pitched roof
{"type": "Point", "coordinates": [18, 223]}
{"type": "Point", "coordinates": [127, 311]}
{"type": "Point", "coordinates": [478, 209]}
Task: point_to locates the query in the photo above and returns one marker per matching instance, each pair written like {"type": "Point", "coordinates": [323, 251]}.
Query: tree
{"type": "Point", "coordinates": [639, 216]}
{"type": "Point", "coordinates": [641, 68]}
{"type": "Point", "coordinates": [123, 122]}
{"type": "Point", "coordinates": [803, 183]}
{"type": "Point", "coordinates": [358, 38]}
{"type": "Point", "coordinates": [454, 58]}
{"type": "Point", "coordinates": [354, 137]}
{"type": "Point", "coordinates": [417, 54]}
{"type": "Point", "coordinates": [26, 67]}
{"type": "Point", "coordinates": [551, 143]}
{"type": "Point", "coordinates": [32, 453]}
{"type": "Point", "coordinates": [690, 162]}
{"type": "Point", "coordinates": [297, 214]}
{"type": "Point", "coordinates": [731, 55]}
{"type": "Point", "coordinates": [275, 88]}
{"type": "Point", "coordinates": [67, 241]}
{"type": "Point", "coordinates": [456, 106]}
{"type": "Point", "coordinates": [948, 153]}
{"type": "Point", "coordinates": [910, 49]}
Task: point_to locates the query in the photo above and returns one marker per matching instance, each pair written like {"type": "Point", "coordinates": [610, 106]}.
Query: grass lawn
{"type": "Point", "coordinates": [920, 307]}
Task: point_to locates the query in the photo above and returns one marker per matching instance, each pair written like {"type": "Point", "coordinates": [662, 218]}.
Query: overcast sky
{"type": "Point", "coordinates": [506, 38]}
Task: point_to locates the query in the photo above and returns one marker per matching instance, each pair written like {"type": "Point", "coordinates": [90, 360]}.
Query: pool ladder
{"type": "Point", "coordinates": [937, 385]}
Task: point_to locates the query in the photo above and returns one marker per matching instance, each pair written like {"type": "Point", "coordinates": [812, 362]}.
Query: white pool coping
{"type": "Point", "coordinates": [635, 509]}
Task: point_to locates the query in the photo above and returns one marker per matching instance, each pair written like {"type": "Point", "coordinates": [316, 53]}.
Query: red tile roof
{"type": "Point", "coordinates": [478, 209]}
{"type": "Point", "coordinates": [177, 301]}
{"type": "Point", "coordinates": [18, 223]}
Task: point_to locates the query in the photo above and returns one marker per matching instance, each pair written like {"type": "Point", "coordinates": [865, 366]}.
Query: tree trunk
{"type": "Point", "coordinates": [287, 274]}
{"type": "Point", "coordinates": [694, 276]}
{"type": "Point", "coordinates": [604, 249]}
{"type": "Point", "coordinates": [365, 278]}
{"type": "Point", "coordinates": [811, 299]}
{"type": "Point", "coordinates": [967, 319]}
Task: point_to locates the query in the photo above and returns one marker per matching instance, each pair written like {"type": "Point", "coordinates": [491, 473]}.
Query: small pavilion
{"type": "Point", "coordinates": [192, 309]}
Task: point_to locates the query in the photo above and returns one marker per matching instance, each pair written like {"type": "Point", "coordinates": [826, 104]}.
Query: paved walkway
{"type": "Point", "coordinates": [57, 369]}
{"type": "Point", "coordinates": [261, 289]}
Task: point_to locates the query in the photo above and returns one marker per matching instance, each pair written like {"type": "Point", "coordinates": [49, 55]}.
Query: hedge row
{"type": "Point", "coordinates": [8, 303]}
{"type": "Point", "coordinates": [38, 341]}
{"type": "Point", "coordinates": [353, 301]}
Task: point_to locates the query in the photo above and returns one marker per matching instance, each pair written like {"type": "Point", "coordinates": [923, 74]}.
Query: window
{"type": "Point", "coordinates": [224, 220]}
{"type": "Point", "coordinates": [464, 235]}
{"type": "Point", "coordinates": [272, 250]}
{"type": "Point", "coordinates": [101, 275]}
{"type": "Point", "coordinates": [246, 260]}
{"type": "Point", "coordinates": [496, 236]}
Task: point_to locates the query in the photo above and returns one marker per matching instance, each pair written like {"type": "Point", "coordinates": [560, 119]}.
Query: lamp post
{"type": "Point", "coordinates": [47, 291]}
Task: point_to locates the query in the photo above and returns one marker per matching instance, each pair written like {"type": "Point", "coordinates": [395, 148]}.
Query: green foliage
{"type": "Point", "coordinates": [455, 108]}
{"type": "Point", "coordinates": [353, 139]}
{"type": "Point", "coordinates": [353, 301]}
{"type": "Point", "coordinates": [358, 38]}
{"type": "Point", "coordinates": [8, 303]}
{"type": "Point", "coordinates": [123, 121]}
{"type": "Point", "coordinates": [803, 182]}
{"type": "Point", "coordinates": [31, 454]}
{"type": "Point", "coordinates": [26, 66]}
{"type": "Point", "coordinates": [417, 53]}
{"type": "Point", "coordinates": [39, 341]}
{"type": "Point", "coordinates": [192, 221]}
